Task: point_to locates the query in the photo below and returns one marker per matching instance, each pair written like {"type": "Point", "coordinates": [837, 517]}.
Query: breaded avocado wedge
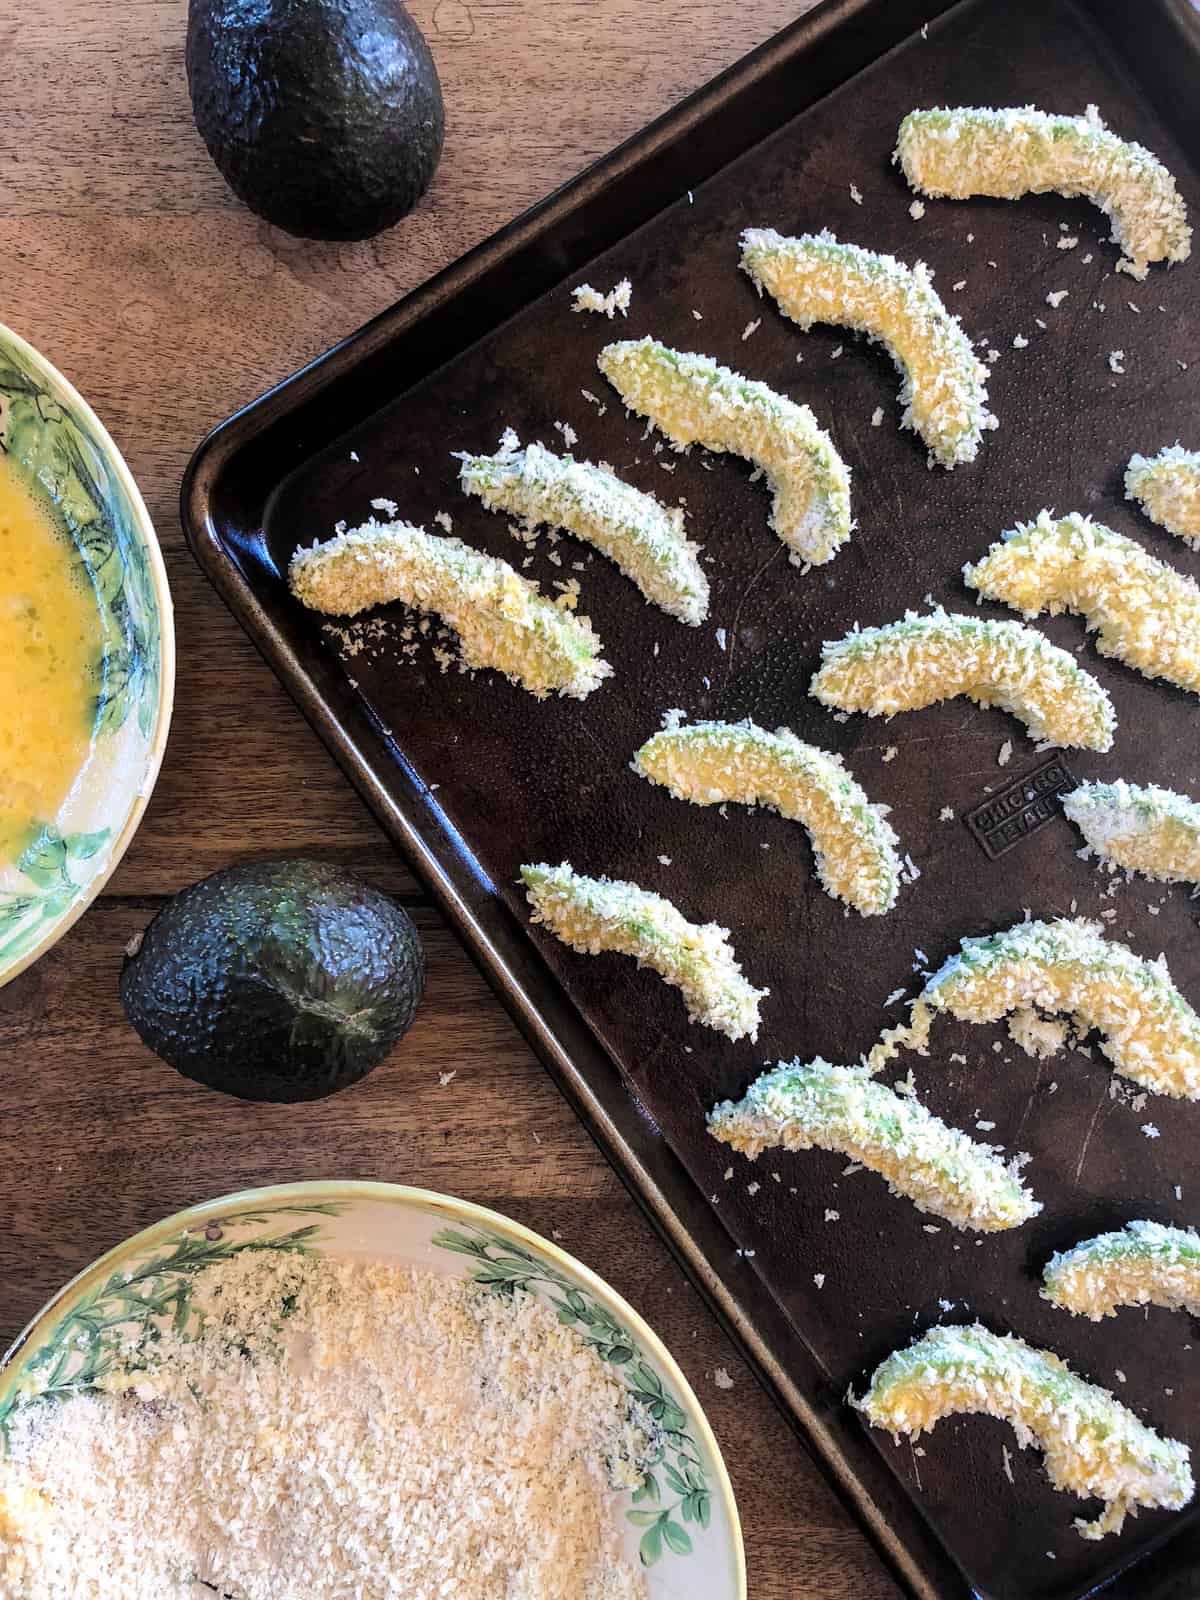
{"type": "Point", "coordinates": [1093, 1445]}
{"type": "Point", "coordinates": [643, 537]}
{"type": "Point", "coordinates": [813, 1105]}
{"type": "Point", "coordinates": [692, 399]}
{"type": "Point", "coordinates": [1139, 827]}
{"type": "Point", "coordinates": [973, 150]}
{"type": "Point", "coordinates": [502, 621]}
{"type": "Point", "coordinates": [1146, 613]}
{"type": "Point", "coordinates": [598, 914]}
{"type": "Point", "coordinates": [710, 763]}
{"type": "Point", "coordinates": [1147, 1029]}
{"type": "Point", "coordinates": [814, 278]}
{"type": "Point", "coordinates": [907, 665]}
{"type": "Point", "coordinates": [1141, 1264]}
{"type": "Point", "coordinates": [1167, 487]}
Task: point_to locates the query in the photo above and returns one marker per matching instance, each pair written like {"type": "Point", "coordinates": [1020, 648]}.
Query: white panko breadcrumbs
{"type": "Point", "coordinates": [1145, 612]}
{"type": "Point", "coordinates": [337, 1429]}
{"type": "Point", "coordinates": [816, 278]}
{"type": "Point", "coordinates": [606, 305]}
{"type": "Point", "coordinates": [1167, 487]}
{"type": "Point", "coordinates": [907, 665]}
{"type": "Point", "coordinates": [692, 399]}
{"type": "Point", "coordinates": [974, 150]}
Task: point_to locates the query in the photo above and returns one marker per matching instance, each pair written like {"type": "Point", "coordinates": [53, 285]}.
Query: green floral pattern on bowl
{"type": "Point", "coordinates": [680, 1521]}
{"type": "Point", "coordinates": [51, 437]}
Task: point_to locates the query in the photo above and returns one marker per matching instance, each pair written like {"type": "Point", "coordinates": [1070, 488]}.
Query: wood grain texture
{"type": "Point", "coordinates": [126, 260]}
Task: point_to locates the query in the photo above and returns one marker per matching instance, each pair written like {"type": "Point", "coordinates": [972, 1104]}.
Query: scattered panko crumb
{"type": "Point", "coordinates": [444, 520]}
{"type": "Point", "coordinates": [354, 455]}
{"type": "Point", "coordinates": [994, 265]}
{"type": "Point", "coordinates": [751, 327]}
{"type": "Point", "coordinates": [1008, 1472]}
{"type": "Point", "coordinates": [1068, 241]}
{"type": "Point", "coordinates": [728, 1173]}
{"type": "Point", "coordinates": [1115, 360]}
{"type": "Point", "coordinates": [946, 814]}
{"type": "Point", "coordinates": [1019, 341]}
{"type": "Point", "coordinates": [993, 354]}
{"type": "Point", "coordinates": [720, 638]}
{"type": "Point", "coordinates": [447, 1077]}
{"type": "Point", "coordinates": [832, 1216]}
{"type": "Point", "coordinates": [896, 994]}
{"type": "Point", "coordinates": [956, 1055]}
{"type": "Point", "coordinates": [877, 417]}
{"type": "Point", "coordinates": [1132, 307]}
{"type": "Point", "coordinates": [1179, 1191]}
{"type": "Point", "coordinates": [699, 315]}
{"type": "Point", "coordinates": [569, 436]}
{"type": "Point", "coordinates": [617, 299]}
{"type": "Point", "coordinates": [819, 1279]}
{"type": "Point", "coordinates": [388, 507]}
{"type": "Point", "coordinates": [752, 1189]}
{"type": "Point", "coordinates": [1039, 1037]}
{"type": "Point", "coordinates": [722, 1379]}
{"type": "Point", "coordinates": [836, 352]}
{"type": "Point", "coordinates": [1150, 1130]}
{"type": "Point", "coordinates": [961, 284]}
{"type": "Point", "coordinates": [984, 1125]}
{"type": "Point", "coordinates": [1004, 754]}
{"type": "Point", "coordinates": [970, 238]}
{"type": "Point", "coordinates": [1085, 259]}
{"type": "Point", "coordinates": [1119, 1375]}
{"type": "Point", "coordinates": [799, 356]}
{"type": "Point", "coordinates": [890, 753]}
{"type": "Point", "coordinates": [665, 860]}
{"type": "Point", "coordinates": [1040, 323]}
{"type": "Point", "coordinates": [929, 1227]}
{"type": "Point", "coordinates": [916, 211]}
{"type": "Point", "coordinates": [906, 1085]}
{"type": "Point", "coordinates": [856, 194]}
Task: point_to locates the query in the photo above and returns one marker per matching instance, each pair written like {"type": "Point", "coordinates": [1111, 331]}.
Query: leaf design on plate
{"type": "Point", "coordinates": [502, 1267]}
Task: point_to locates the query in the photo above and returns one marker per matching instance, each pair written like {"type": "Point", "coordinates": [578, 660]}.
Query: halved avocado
{"type": "Point", "coordinates": [324, 116]}
{"type": "Point", "coordinates": [280, 980]}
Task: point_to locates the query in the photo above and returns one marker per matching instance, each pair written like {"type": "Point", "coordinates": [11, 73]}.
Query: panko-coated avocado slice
{"type": "Point", "coordinates": [278, 980]}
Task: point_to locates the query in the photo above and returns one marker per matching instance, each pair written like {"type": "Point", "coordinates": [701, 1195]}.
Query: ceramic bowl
{"type": "Point", "coordinates": [681, 1522]}
{"type": "Point", "coordinates": [52, 436]}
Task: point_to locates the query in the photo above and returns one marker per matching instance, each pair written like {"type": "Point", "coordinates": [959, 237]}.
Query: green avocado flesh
{"type": "Point", "coordinates": [282, 980]}
{"type": "Point", "coordinates": [324, 116]}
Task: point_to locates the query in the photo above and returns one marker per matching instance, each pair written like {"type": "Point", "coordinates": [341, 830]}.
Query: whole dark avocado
{"type": "Point", "coordinates": [281, 980]}
{"type": "Point", "coordinates": [324, 116]}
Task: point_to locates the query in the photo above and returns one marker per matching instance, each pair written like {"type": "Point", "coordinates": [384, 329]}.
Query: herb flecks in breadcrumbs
{"type": "Point", "coordinates": [692, 399]}
{"type": "Point", "coordinates": [973, 150]}
{"type": "Point", "coordinates": [594, 915]}
{"type": "Point", "coordinates": [802, 1106]}
{"type": "Point", "coordinates": [501, 619]}
{"type": "Point", "coordinates": [1093, 1445]}
{"type": "Point", "coordinates": [710, 763]}
{"type": "Point", "coordinates": [814, 278]}
{"type": "Point", "coordinates": [914, 663]}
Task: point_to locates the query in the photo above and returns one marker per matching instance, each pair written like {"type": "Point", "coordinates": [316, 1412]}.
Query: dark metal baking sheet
{"type": "Point", "coordinates": [472, 777]}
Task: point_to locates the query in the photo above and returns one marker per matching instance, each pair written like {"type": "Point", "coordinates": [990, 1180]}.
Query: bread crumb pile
{"type": "Point", "coordinates": [339, 1431]}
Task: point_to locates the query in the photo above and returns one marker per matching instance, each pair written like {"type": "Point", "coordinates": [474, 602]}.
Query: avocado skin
{"type": "Point", "coordinates": [324, 116]}
{"type": "Point", "coordinates": [282, 980]}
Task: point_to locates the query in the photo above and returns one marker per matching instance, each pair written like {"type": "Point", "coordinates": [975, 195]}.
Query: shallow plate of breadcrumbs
{"type": "Point", "coordinates": [318, 1391]}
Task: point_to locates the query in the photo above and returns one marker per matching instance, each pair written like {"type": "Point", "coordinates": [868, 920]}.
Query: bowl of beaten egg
{"type": "Point", "coordinates": [86, 655]}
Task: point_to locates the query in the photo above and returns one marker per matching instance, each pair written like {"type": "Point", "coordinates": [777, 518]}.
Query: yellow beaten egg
{"type": "Point", "coordinates": [50, 648]}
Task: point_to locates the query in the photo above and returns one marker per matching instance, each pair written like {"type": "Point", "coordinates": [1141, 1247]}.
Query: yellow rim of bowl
{"type": "Point", "coordinates": [166, 679]}
{"type": "Point", "coordinates": [426, 1200]}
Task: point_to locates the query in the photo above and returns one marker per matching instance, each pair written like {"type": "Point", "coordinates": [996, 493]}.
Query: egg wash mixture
{"type": "Point", "coordinates": [305, 1428]}
{"type": "Point", "coordinates": [50, 651]}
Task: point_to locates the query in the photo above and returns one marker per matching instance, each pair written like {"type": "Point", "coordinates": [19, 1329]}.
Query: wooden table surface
{"type": "Point", "coordinates": [129, 264]}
